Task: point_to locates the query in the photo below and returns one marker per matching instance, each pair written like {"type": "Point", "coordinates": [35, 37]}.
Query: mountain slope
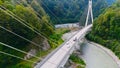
{"type": "Point", "coordinates": [72, 10]}
{"type": "Point", "coordinates": [18, 17]}
{"type": "Point", "coordinates": [110, 1]}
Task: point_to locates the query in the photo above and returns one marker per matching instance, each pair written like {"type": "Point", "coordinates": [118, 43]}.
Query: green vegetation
{"type": "Point", "coordinates": [24, 14]}
{"type": "Point", "coordinates": [13, 17]}
{"type": "Point", "coordinates": [57, 36]}
{"type": "Point", "coordinates": [106, 29]}
{"type": "Point", "coordinates": [72, 10]}
{"type": "Point", "coordinates": [76, 59]}
{"type": "Point", "coordinates": [25, 64]}
{"type": "Point", "coordinates": [58, 40]}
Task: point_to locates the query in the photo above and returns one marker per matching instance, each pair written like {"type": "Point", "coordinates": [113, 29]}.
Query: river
{"type": "Point", "coordinates": [96, 57]}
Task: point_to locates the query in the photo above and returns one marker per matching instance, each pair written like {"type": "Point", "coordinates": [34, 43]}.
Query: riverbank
{"type": "Point", "coordinates": [97, 56]}
{"type": "Point", "coordinates": [109, 52]}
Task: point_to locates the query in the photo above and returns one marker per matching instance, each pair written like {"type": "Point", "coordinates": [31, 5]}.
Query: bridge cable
{"type": "Point", "coordinates": [51, 11]}
{"type": "Point", "coordinates": [20, 19]}
{"type": "Point", "coordinates": [50, 24]}
{"type": "Point", "coordinates": [31, 25]}
{"type": "Point", "coordinates": [16, 56]}
{"type": "Point", "coordinates": [20, 36]}
{"type": "Point", "coordinates": [18, 50]}
{"type": "Point", "coordinates": [22, 22]}
{"type": "Point", "coordinates": [23, 52]}
{"type": "Point", "coordinates": [38, 13]}
{"type": "Point", "coordinates": [12, 16]}
{"type": "Point", "coordinates": [25, 24]}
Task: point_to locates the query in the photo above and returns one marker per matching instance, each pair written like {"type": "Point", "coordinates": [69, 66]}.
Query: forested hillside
{"type": "Point", "coordinates": [110, 1]}
{"type": "Point", "coordinates": [69, 11]}
{"type": "Point", "coordinates": [19, 17]}
{"type": "Point", "coordinates": [106, 29]}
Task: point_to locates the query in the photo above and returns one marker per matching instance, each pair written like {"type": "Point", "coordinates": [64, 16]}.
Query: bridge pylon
{"type": "Point", "coordinates": [90, 13]}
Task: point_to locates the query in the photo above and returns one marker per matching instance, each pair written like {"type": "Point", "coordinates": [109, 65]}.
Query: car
{"type": "Point", "coordinates": [75, 39]}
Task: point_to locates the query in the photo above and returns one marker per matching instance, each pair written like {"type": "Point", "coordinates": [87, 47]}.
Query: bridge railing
{"type": "Point", "coordinates": [66, 57]}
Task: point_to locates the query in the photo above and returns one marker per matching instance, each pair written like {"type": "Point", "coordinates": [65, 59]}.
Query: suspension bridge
{"type": "Point", "coordinates": [59, 57]}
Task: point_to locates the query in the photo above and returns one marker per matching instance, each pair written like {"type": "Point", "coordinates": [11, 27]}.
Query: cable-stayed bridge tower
{"type": "Point", "coordinates": [90, 13]}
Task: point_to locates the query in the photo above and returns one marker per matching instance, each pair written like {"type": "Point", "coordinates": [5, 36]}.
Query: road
{"type": "Point", "coordinates": [68, 25]}
{"type": "Point", "coordinates": [55, 59]}
{"type": "Point", "coordinates": [97, 56]}
{"type": "Point", "coordinates": [67, 36]}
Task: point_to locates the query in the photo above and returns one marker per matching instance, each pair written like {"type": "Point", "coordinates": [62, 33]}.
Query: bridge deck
{"type": "Point", "coordinates": [55, 59]}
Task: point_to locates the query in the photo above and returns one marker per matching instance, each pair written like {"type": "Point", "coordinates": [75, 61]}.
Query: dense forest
{"type": "Point", "coordinates": [73, 10]}
{"type": "Point", "coordinates": [110, 2]}
{"type": "Point", "coordinates": [106, 29]}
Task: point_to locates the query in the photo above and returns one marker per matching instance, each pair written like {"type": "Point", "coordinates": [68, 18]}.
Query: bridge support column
{"type": "Point", "coordinates": [90, 13]}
